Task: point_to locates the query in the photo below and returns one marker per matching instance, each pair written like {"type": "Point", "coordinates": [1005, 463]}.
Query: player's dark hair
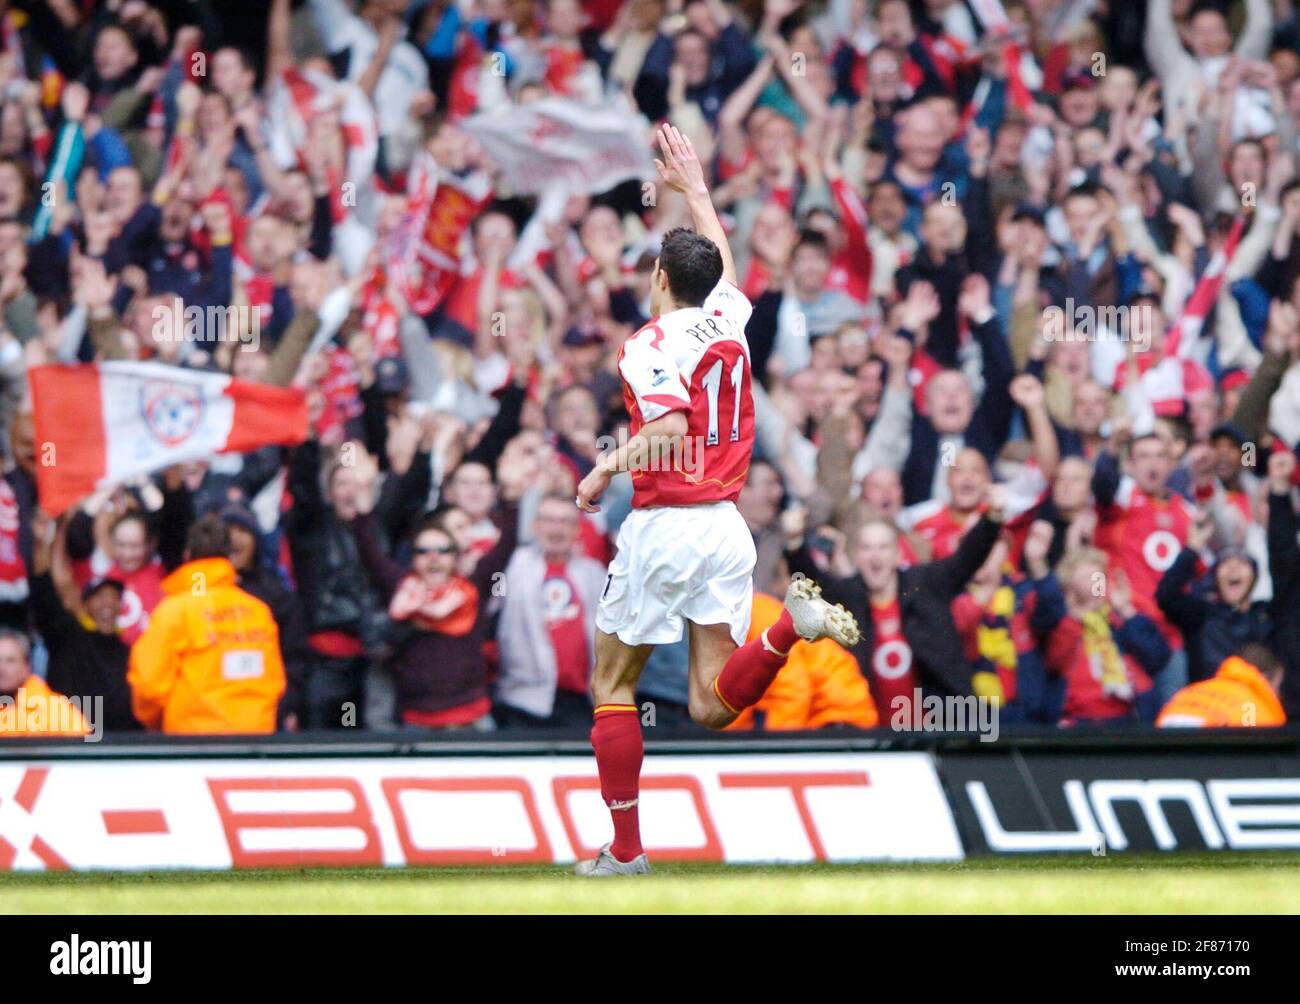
{"type": "Point", "coordinates": [692, 263]}
{"type": "Point", "coordinates": [209, 537]}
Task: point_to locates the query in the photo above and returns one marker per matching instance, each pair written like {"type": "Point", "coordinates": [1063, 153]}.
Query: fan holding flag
{"type": "Point", "coordinates": [101, 424]}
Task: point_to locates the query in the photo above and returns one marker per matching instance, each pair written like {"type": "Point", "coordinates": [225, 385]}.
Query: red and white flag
{"type": "Point", "coordinates": [298, 97]}
{"type": "Point", "coordinates": [99, 425]}
{"type": "Point", "coordinates": [424, 250]}
{"type": "Point", "coordinates": [1182, 336]}
{"type": "Point", "coordinates": [588, 148]}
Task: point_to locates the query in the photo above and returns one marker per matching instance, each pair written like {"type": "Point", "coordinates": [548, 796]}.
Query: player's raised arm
{"type": "Point", "coordinates": [682, 171]}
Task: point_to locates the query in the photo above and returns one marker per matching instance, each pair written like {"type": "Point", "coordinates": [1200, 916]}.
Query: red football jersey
{"type": "Point", "coordinates": [936, 523]}
{"type": "Point", "coordinates": [893, 671]}
{"type": "Point", "coordinates": [1142, 535]}
{"type": "Point", "coordinates": [694, 360]}
{"type": "Point", "coordinates": [143, 592]}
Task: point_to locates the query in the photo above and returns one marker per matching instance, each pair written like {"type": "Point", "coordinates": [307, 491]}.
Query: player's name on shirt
{"type": "Point", "coordinates": [706, 331]}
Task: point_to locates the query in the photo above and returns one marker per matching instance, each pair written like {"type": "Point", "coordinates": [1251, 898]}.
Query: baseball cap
{"type": "Point", "coordinates": [234, 514]}
{"type": "Point", "coordinates": [391, 376]}
{"type": "Point", "coordinates": [95, 585]}
{"type": "Point", "coordinates": [1234, 378]}
{"type": "Point", "coordinates": [1079, 80]}
{"type": "Point", "coordinates": [1229, 429]}
{"type": "Point", "coordinates": [1028, 211]}
{"type": "Point", "coordinates": [579, 337]}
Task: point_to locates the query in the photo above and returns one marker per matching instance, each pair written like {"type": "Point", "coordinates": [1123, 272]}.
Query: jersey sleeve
{"type": "Point", "coordinates": [652, 377]}
{"type": "Point", "coordinates": [730, 303]}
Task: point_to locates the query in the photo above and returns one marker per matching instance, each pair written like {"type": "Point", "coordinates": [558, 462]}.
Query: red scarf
{"type": "Point", "coordinates": [450, 609]}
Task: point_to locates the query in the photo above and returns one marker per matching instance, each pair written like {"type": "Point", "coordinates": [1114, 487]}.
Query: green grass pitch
{"type": "Point", "coordinates": [1207, 883]}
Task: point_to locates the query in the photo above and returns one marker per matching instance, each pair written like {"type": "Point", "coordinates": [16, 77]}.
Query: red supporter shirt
{"type": "Point", "coordinates": [462, 301]}
{"type": "Point", "coordinates": [1143, 535]}
{"type": "Point", "coordinates": [938, 525]}
{"type": "Point", "coordinates": [143, 592]}
{"type": "Point", "coordinates": [851, 270]}
{"type": "Point", "coordinates": [694, 360]}
{"type": "Point", "coordinates": [893, 672]}
{"type": "Point", "coordinates": [1168, 382]}
{"type": "Point", "coordinates": [563, 615]}
{"type": "Point", "coordinates": [1066, 654]}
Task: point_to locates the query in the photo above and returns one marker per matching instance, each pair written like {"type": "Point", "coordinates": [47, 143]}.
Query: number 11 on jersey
{"type": "Point", "coordinates": [712, 384]}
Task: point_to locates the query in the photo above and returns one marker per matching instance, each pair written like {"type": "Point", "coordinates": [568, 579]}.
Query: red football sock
{"type": "Point", "coordinates": [752, 667]}
{"type": "Point", "coordinates": [616, 738]}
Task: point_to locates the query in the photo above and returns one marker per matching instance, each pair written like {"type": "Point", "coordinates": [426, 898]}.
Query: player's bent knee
{"type": "Point", "coordinates": [709, 712]}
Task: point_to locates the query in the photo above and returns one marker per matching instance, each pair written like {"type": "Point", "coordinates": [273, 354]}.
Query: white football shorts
{"type": "Point", "coordinates": [675, 564]}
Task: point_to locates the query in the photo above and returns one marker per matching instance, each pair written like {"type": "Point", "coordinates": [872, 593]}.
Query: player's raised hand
{"type": "Point", "coordinates": [592, 487]}
{"type": "Point", "coordinates": [680, 169]}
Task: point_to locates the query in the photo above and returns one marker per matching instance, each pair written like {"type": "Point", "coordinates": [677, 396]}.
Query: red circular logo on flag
{"type": "Point", "coordinates": [172, 411]}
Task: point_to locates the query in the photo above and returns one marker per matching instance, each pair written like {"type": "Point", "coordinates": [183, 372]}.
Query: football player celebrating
{"type": "Point", "coordinates": [685, 555]}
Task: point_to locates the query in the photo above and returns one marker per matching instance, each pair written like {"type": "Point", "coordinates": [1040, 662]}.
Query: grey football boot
{"type": "Point", "coordinates": [814, 618]}
{"type": "Point", "coordinates": [605, 865]}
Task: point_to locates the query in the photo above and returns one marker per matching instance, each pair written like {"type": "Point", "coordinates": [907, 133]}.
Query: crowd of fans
{"type": "Point", "coordinates": [1041, 253]}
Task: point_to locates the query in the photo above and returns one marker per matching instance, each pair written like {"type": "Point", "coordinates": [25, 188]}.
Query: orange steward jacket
{"type": "Point", "coordinates": [1236, 696]}
{"type": "Point", "coordinates": [209, 662]}
{"type": "Point", "coordinates": [37, 711]}
{"type": "Point", "coordinates": [820, 684]}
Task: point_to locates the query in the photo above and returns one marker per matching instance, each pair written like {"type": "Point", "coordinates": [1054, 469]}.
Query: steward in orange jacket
{"type": "Point", "coordinates": [209, 662]}
{"type": "Point", "coordinates": [1241, 694]}
{"type": "Point", "coordinates": [36, 711]}
{"type": "Point", "coordinates": [819, 685]}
